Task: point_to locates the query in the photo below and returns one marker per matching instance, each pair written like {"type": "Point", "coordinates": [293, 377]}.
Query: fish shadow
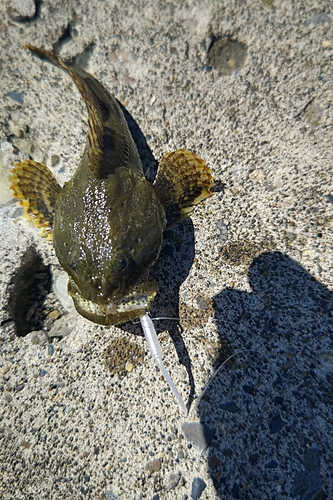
{"type": "Point", "coordinates": [271, 403]}
{"type": "Point", "coordinates": [150, 165]}
{"type": "Point", "coordinates": [172, 267]}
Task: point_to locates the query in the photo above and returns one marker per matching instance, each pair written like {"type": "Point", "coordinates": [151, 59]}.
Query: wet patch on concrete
{"type": "Point", "coordinates": [121, 355]}
{"type": "Point", "coordinates": [227, 55]}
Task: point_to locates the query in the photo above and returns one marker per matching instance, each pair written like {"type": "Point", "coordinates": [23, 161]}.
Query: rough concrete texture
{"type": "Point", "coordinates": [84, 411]}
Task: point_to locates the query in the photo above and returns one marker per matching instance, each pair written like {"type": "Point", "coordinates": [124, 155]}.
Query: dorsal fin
{"type": "Point", "coordinates": [110, 141]}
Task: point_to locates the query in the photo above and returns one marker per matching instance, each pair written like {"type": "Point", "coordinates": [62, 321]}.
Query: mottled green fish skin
{"type": "Point", "coordinates": [107, 232]}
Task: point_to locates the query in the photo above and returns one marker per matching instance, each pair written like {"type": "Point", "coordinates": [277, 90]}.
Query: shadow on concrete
{"type": "Point", "coordinates": [27, 292]}
{"type": "Point", "coordinates": [271, 405]}
{"type": "Point", "coordinates": [149, 163]}
{"type": "Point", "coordinates": [172, 266]}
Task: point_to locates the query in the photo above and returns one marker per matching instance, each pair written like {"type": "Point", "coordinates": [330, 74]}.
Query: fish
{"type": "Point", "coordinates": [107, 222]}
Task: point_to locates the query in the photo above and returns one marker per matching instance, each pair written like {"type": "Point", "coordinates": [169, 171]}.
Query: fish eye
{"type": "Point", "coordinates": [124, 263]}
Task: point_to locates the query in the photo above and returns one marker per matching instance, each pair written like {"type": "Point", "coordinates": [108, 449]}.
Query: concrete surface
{"type": "Point", "coordinates": [84, 411]}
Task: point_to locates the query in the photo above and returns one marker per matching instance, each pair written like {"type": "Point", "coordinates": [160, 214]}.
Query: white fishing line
{"type": "Point", "coordinates": [155, 350]}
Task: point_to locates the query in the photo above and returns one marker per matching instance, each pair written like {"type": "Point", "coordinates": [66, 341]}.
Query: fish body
{"type": "Point", "coordinates": [107, 233]}
{"type": "Point", "coordinates": [107, 222]}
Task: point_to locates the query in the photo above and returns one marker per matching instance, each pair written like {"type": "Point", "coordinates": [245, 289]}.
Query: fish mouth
{"type": "Point", "coordinates": [100, 291]}
{"type": "Point", "coordinates": [114, 312]}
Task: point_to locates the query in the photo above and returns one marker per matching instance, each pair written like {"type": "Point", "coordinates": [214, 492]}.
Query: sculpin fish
{"type": "Point", "coordinates": [107, 222]}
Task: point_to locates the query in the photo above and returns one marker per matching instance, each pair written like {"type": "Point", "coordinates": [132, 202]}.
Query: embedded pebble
{"type": "Point", "coordinates": [276, 424]}
{"type": "Point", "coordinates": [257, 174]}
{"type": "Point", "coordinates": [213, 462]}
{"type": "Point", "coordinates": [202, 303]}
{"type": "Point", "coordinates": [307, 254]}
{"type": "Point", "coordinates": [38, 337]}
{"type": "Point", "coordinates": [110, 495]}
{"type": "Point", "coordinates": [223, 231]}
{"type": "Point", "coordinates": [314, 113]}
{"type": "Point", "coordinates": [168, 249]}
{"type": "Point", "coordinates": [129, 366]}
{"type": "Point", "coordinates": [249, 389]}
{"type": "Point", "coordinates": [235, 490]}
{"type": "Point", "coordinates": [61, 290]}
{"type": "Point", "coordinates": [54, 314]}
{"type": "Point", "coordinates": [318, 18]}
{"type": "Point", "coordinates": [272, 464]}
{"type": "Point", "coordinates": [60, 327]}
{"type": "Point", "coordinates": [29, 147]}
{"type": "Point", "coordinates": [16, 96]}
{"type": "Point", "coordinates": [253, 458]}
{"type": "Point", "coordinates": [290, 236]}
{"type": "Point", "coordinates": [327, 358]}
{"type": "Point", "coordinates": [154, 466]}
{"type": "Point", "coordinates": [198, 486]}
{"type": "Point", "coordinates": [50, 349]}
{"type": "Point", "coordinates": [230, 406]}
{"type": "Point", "coordinates": [197, 434]}
{"type": "Point", "coordinates": [16, 130]}
{"type": "Point", "coordinates": [127, 79]}
{"type": "Point", "coordinates": [173, 480]}
{"type": "Point", "coordinates": [308, 482]}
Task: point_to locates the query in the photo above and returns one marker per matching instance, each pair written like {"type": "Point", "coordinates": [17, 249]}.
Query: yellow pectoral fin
{"type": "Point", "coordinates": [183, 180]}
{"type": "Point", "coordinates": [36, 189]}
